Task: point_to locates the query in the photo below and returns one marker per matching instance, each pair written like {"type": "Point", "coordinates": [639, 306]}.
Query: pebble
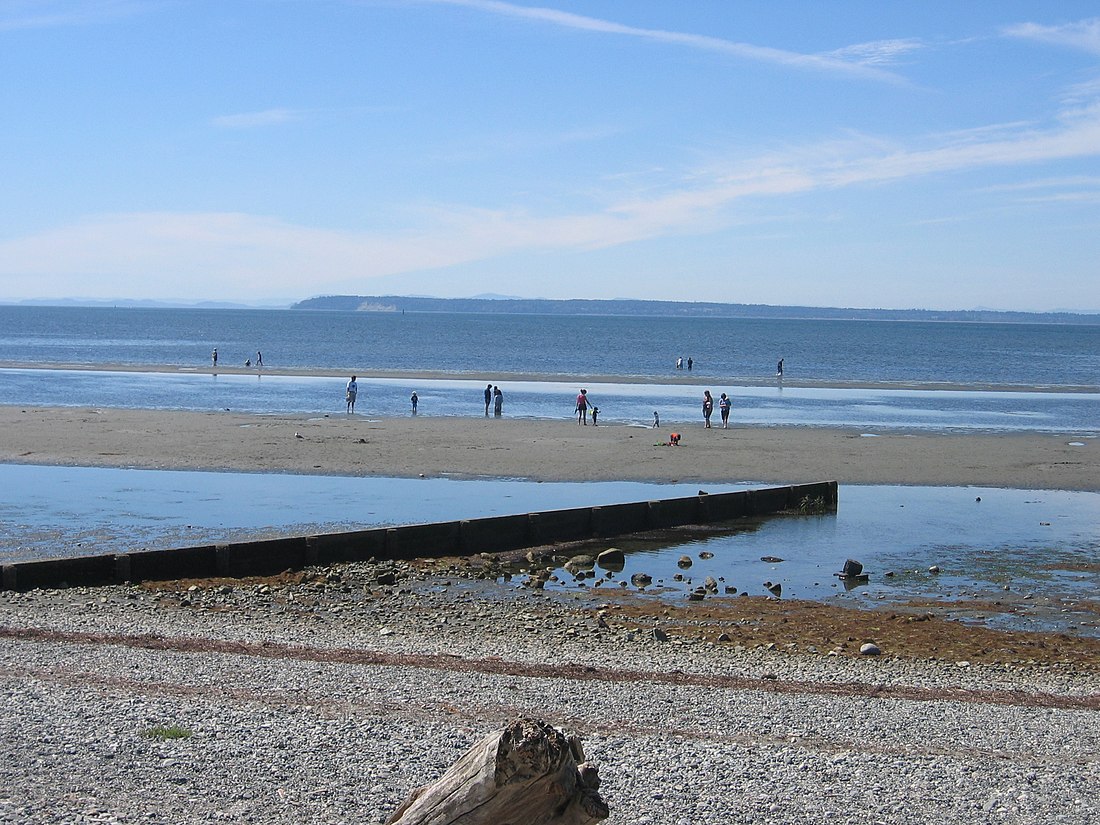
{"type": "Point", "coordinates": [320, 735]}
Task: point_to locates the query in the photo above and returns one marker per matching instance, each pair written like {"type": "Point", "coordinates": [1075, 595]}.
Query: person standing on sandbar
{"type": "Point", "coordinates": [350, 393]}
{"type": "Point", "coordinates": [498, 402]}
{"type": "Point", "coordinates": [488, 398]}
{"type": "Point", "coordinates": [582, 408]}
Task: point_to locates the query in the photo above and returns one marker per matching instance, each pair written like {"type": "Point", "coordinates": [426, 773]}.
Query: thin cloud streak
{"type": "Point", "coordinates": [258, 253]}
{"type": "Point", "coordinates": [1083, 35]}
{"type": "Point", "coordinates": [746, 51]}
{"type": "Point", "coordinates": [41, 14]}
{"type": "Point", "coordinates": [253, 120]}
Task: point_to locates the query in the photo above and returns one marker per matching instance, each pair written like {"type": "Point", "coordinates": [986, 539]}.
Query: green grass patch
{"type": "Point", "coordinates": [172, 732]}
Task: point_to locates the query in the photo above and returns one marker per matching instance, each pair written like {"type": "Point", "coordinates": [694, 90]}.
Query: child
{"type": "Point", "coordinates": [595, 412]}
{"type": "Point", "coordinates": [656, 420]}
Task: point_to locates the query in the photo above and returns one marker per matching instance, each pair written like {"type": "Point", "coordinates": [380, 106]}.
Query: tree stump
{"type": "Point", "coordinates": [528, 774]}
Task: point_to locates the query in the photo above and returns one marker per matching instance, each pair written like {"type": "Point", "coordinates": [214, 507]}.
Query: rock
{"type": "Point", "coordinates": [724, 637]}
{"type": "Point", "coordinates": [775, 588]}
{"type": "Point", "coordinates": [578, 563]}
{"type": "Point", "coordinates": [731, 591]}
{"type": "Point", "coordinates": [641, 580]}
{"type": "Point", "coordinates": [710, 585]}
{"type": "Point", "coordinates": [851, 568]}
{"type": "Point", "coordinates": [659, 635]}
{"type": "Point", "coordinates": [706, 554]}
{"type": "Point", "coordinates": [684, 562]}
{"type": "Point", "coordinates": [386, 578]}
{"type": "Point", "coordinates": [935, 568]}
{"type": "Point", "coordinates": [695, 596]}
{"type": "Point", "coordinates": [611, 559]}
{"type": "Point", "coordinates": [869, 649]}
{"type": "Point", "coordinates": [771, 559]}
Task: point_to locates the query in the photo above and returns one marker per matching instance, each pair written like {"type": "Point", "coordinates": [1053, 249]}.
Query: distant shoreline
{"type": "Point", "coordinates": [679, 309]}
{"type": "Point", "coordinates": [681, 378]}
{"type": "Point", "coordinates": [608, 308]}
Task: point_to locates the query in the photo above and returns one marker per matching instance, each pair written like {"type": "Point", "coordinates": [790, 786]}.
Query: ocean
{"type": "Point", "coordinates": [734, 349]}
{"type": "Point", "coordinates": [865, 374]}
{"type": "Point", "coordinates": [874, 375]}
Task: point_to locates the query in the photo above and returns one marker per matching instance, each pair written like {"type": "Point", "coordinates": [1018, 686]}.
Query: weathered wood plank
{"type": "Point", "coordinates": [530, 773]}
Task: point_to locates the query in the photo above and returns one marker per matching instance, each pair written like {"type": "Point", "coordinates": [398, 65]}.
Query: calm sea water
{"type": "Point", "coordinates": [1036, 355]}
{"type": "Point", "coordinates": [825, 363]}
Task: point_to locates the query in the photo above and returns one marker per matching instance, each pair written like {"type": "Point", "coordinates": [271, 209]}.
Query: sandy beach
{"type": "Point", "coordinates": [539, 450]}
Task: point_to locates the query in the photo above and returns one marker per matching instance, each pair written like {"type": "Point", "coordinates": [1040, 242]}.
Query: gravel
{"type": "Point", "coordinates": [329, 700]}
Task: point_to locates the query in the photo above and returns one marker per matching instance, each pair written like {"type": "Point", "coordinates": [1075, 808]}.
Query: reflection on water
{"type": "Point", "coordinates": [1037, 553]}
{"type": "Point", "coordinates": [73, 511]}
{"type": "Point", "coordinates": [910, 409]}
{"type": "Point", "coordinates": [1028, 549]}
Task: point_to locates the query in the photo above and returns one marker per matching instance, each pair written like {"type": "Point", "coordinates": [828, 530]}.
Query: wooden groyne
{"type": "Point", "coordinates": [465, 537]}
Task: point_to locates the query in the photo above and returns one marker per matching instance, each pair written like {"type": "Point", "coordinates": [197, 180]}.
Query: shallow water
{"type": "Point", "coordinates": [1042, 544]}
{"type": "Point", "coordinates": [879, 408]}
{"type": "Point", "coordinates": [70, 511]}
{"type": "Point", "coordinates": [1038, 552]}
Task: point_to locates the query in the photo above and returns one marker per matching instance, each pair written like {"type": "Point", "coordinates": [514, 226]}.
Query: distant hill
{"type": "Point", "coordinates": [138, 303]}
{"type": "Point", "coordinates": [667, 309]}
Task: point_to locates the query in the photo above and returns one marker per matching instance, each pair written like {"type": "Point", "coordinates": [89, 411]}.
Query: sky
{"type": "Point", "coordinates": [937, 155]}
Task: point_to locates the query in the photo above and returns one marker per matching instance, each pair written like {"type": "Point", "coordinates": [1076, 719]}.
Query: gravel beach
{"type": "Point", "coordinates": [327, 696]}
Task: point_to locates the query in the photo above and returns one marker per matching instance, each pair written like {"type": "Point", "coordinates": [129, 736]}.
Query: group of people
{"type": "Point", "coordinates": [724, 404]}
{"type": "Point", "coordinates": [351, 391]}
{"type": "Point", "coordinates": [680, 363]}
{"type": "Point", "coordinates": [247, 361]}
{"type": "Point", "coordinates": [494, 396]}
{"type": "Point", "coordinates": [584, 404]}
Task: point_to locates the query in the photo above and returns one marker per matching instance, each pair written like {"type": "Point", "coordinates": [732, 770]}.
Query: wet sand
{"type": "Point", "coordinates": [538, 450]}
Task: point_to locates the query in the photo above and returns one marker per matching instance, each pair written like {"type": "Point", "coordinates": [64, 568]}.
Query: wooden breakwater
{"type": "Point", "coordinates": [493, 534]}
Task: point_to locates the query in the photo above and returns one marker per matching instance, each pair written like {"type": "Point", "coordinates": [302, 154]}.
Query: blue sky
{"type": "Point", "coordinates": [941, 155]}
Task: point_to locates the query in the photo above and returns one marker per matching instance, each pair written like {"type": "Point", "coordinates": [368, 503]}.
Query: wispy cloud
{"type": "Point", "coordinates": [744, 51]}
{"type": "Point", "coordinates": [254, 120]}
{"type": "Point", "coordinates": [1083, 35]}
{"type": "Point", "coordinates": [878, 52]}
{"type": "Point", "coordinates": [38, 14]}
{"type": "Point", "coordinates": [210, 250]}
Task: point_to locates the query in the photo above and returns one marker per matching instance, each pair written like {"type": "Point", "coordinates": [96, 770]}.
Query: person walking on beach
{"type": "Point", "coordinates": [779, 369]}
{"type": "Point", "coordinates": [656, 420]}
{"type": "Point", "coordinates": [214, 356]}
{"type": "Point", "coordinates": [488, 398]}
{"type": "Point", "coordinates": [680, 363]}
{"type": "Point", "coordinates": [259, 358]}
{"type": "Point", "coordinates": [498, 402]}
{"type": "Point", "coordinates": [350, 393]}
{"type": "Point", "coordinates": [708, 407]}
{"type": "Point", "coordinates": [415, 400]}
{"type": "Point", "coordinates": [690, 362]}
{"type": "Point", "coordinates": [582, 408]}
{"type": "Point", "coordinates": [724, 404]}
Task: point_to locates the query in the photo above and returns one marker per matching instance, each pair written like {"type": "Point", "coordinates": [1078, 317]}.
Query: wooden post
{"type": "Point", "coordinates": [528, 774]}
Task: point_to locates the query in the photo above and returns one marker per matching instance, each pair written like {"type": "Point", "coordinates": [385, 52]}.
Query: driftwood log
{"type": "Point", "coordinates": [528, 774]}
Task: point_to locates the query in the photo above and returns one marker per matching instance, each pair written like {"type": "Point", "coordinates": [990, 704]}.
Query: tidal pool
{"type": "Point", "coordinates": [1035, 552]}
{"type": "Point", "coordinates": [1021, 558]}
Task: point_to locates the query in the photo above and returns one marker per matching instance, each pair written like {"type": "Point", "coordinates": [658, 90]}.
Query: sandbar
{"type": "Point", "coordinates": [680, 378]}
{"type": "Point", "coordinates": [539, 450]}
